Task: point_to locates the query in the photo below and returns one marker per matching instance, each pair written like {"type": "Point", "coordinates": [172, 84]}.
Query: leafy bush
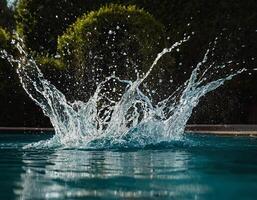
{"type": "Point", "coordinates": [40, 23]}
{"type": "Point", "coordinates": [4, 37]}
{"type": "Point", "coordinates": [56, 72]}
{"type": "Point", "coordinates": [50, 62]}
{"type": "Point", "coordinates": [115, 39]}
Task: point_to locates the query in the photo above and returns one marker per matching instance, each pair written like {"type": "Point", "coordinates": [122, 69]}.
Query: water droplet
{"type": "Point", "coordinates": [57, 56]}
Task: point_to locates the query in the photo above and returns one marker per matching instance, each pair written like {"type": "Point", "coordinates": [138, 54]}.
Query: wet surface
{"type": "Point", "coordinates": [200, 167]}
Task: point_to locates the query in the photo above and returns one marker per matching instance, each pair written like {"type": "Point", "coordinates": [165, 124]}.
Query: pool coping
{"type": "Point", "coordinates": [223, 129]}
{"type": "Point", "coordinates": [206, 129]}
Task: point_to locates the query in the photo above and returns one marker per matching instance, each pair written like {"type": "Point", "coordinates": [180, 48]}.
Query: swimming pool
{"type": "Point", "coordinates": [199, 167]}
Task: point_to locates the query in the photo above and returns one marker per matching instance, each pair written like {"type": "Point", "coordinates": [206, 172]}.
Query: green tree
{"type": "Point", "coordinates": [114, 39]}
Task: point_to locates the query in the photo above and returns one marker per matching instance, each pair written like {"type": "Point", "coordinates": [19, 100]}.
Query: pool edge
{"type": "Point", "coordinates": [206, 129]}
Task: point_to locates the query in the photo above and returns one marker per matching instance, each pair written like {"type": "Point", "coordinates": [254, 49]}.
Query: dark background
{"type": "Point", "coordinates": [233, 103]}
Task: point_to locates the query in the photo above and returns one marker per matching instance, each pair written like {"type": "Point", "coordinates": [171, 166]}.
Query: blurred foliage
{"type": "Point", "coordinates": [41, 22]}
{"type": "Point", "coordinates": [16, 108]}
{"type": "Point", "coordinates": [4, 38]}
{"type": "Point", "coordinates": [234, 23]}
{"type": "Point", "coordinates": [50, 62]}
{"type": "Point", "coordinates": [114, 39]}
{"type": "Point", "coordinates": [6, 15]}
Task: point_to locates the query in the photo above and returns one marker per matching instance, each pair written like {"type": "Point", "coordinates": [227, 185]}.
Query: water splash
{"type": "Point", "coordinates": [132, 121]}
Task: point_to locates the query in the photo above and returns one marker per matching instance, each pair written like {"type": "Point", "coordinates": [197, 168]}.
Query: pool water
{"type": "Point", "coordinates": [199, 167]}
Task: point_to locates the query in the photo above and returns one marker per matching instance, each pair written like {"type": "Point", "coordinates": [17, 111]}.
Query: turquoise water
{"type": "Point", "coordinates": [197, 167]}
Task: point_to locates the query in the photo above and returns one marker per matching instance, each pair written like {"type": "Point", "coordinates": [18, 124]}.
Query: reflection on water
{"type": "Point", "coordinates": [199, 168]}
{"type": "Point", "coordinates": [73, 173]}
